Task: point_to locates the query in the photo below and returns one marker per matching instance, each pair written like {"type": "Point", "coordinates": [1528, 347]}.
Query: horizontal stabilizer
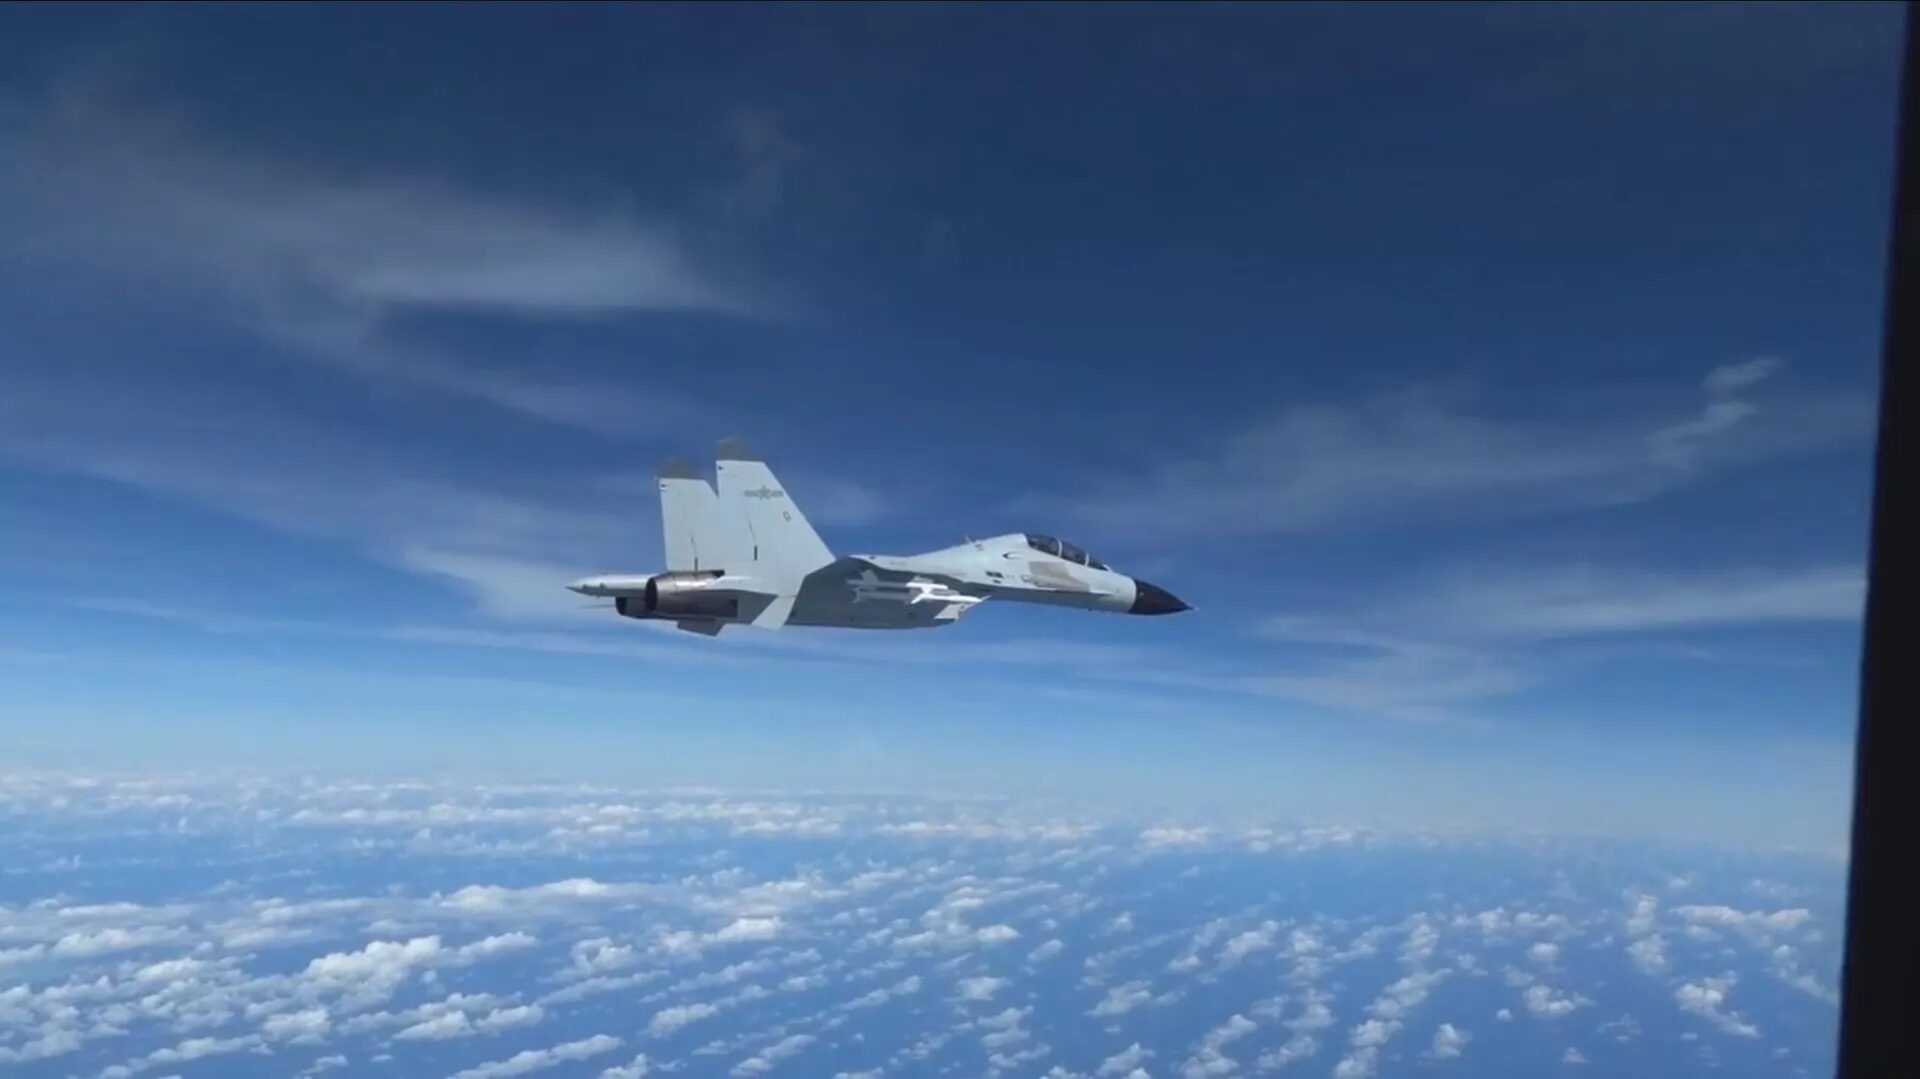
{"type": "Point", "coordinates": [775, 614]}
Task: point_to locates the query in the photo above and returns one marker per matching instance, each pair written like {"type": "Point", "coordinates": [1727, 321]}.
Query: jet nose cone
{"type": "Point", "coordinates": [1153, 599]}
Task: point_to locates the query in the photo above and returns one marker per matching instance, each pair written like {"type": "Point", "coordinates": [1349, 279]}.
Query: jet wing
{"type": "Point", "coordinates": [856, 562]}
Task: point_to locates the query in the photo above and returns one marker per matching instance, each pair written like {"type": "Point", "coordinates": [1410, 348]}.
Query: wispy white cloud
{"type": "Point", "coordinates": [53, 1043]}
{"type": "Point", "coordinates": [89, 943]}
{"type": "Point", "coordinates": [514, 549]}
{"type": "Point", "coordinates": [1253, 940]}
{"type": "Point", "coordinates": [1547, 1002]}
{"type": "Point", "coordinates": [316, 260]}
{"type": "Point", "coordinates": [1784, 964]}
{"type": "Point", "coordinates": [945, 926]}
{"type": "Point", "coordinates": [979, 989]}
{"type": "Point", "coordinates": [439, 1028]}
{"type": "Point", "coordinates": [637, 1068]}
{"type": "Point", "coordinates": [1729, 379]}
{"type": "Point", "coordinates": [97, 180]}
{"type": "Point", "coordinates": [498, 944]}
{"type": "Point", "coordinates": [1209, 1057]}
{"type": "Point", "coordinates": [837, 500]}
{"type": "Point", "coordinates": [907, 986]}
{"type": "Point", "coordinates": [188, 1050]}
{"type": "Point", "coordinates": [1707, 998]}
{"type": "Point", "coordinates": [532, 1060]}
{"type": "Point", "coordinates": [1755, 922]}
{"type": "Point", "coordinates": [1449, 1042]}
{"type": "Point", "coordinates": [508, 1018]}
{"type": "Point", "coordinates": [1315, 1015]}
{"type": "Point", "coordinates": [668, 1021]}
{"type": "Point", "coordinates": [768, 1058]}
{"type": "Point", "coordinates": [1294, 1050]}
{"type": "Point", "coordinates": [1174, 836]}
{"type": "Point", "coordinates": [1399, 999]}
{"type": "Point", "coordinates": [1425, 451]}
{"type": "Point", "coordinates": [307, 1026]}
{"type": "Point", "coordinates": [1582, 601]}
{"type": "Point", "coordinates": [1623, 1030]}
{"type": "Point", "coordinates": [744, 929]}
{"type": "Point", "coordinates": [1363, 1056]}
{"type": "Point", "coordinates": [1386, 675]}
{"type": "Point", "coordinates": [1445, 644]}
{"type": "Point", "coordinates": [1644, 915]}
{"type": "Point", "coordinates": [1121, 999]}
{"type": "Point", "coordinates": [1649, 953]}
{"type": "Point", "coordinates": [601, 955]}
{"type": "Point", "coordinates": [1125, 1062]}
{"type": "Point", "coordinates": [330, 1062]}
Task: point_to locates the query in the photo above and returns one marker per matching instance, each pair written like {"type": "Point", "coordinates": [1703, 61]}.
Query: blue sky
{"type": "Point", "coordinates": [1496, 383]}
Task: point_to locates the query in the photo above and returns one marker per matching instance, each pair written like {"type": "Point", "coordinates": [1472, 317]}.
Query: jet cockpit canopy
{"type": "Point", "coordinates": [1061, 549]}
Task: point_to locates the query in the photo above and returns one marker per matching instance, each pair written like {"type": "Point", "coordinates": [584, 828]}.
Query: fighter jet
{"type": "Point", "coordinates": [744, 554]}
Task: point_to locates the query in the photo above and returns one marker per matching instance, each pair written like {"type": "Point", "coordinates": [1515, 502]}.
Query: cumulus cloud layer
{"type": "Point", "coordinates": [491, 930]}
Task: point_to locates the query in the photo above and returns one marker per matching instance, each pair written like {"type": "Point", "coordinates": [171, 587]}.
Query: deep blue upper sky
{"type": "Point", "coordinates": [1496, 381]}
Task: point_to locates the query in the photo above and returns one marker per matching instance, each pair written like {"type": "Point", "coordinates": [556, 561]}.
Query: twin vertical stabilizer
{"type": "Point", "coordinates": [749, 527]}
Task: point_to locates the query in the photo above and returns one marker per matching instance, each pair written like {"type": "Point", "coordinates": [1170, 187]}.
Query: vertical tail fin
{"type": "Point", "coordinates": [697, 535]}
{"type": "Point", "coordinates": [781, 546]}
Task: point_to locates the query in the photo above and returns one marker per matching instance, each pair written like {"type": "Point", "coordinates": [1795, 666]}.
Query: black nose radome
{"type": "Point", "coordinates": [1153, 599]}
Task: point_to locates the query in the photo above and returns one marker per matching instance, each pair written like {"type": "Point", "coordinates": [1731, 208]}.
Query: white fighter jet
{"type": "Point", "coordinates": [745, 555]}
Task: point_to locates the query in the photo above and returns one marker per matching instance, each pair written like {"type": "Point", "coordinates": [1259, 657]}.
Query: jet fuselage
{"type": "Point", "coordinates": [745, 555]}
